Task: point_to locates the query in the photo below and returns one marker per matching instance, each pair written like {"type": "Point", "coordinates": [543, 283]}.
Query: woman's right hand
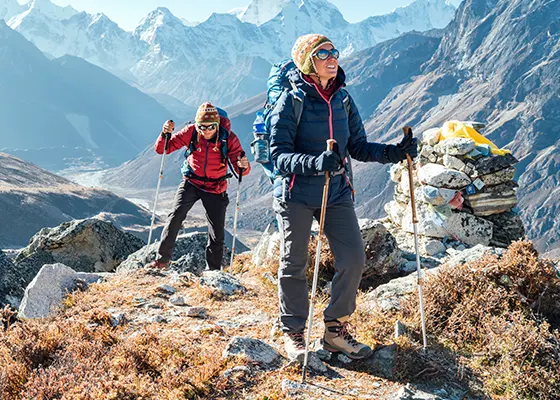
{"type": "Point", "coordinates": [168, 126]}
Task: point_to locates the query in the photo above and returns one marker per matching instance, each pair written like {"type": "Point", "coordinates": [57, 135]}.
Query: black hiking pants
{"type": "Point", "coordinates": [215, 206]}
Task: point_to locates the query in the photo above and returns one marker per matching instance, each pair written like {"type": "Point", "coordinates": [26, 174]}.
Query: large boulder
{"type": "Point", "coordinates": [189, 248]}
{"type": "Point", "coordinates": [252, 351]}
{"type": "Point", "coordinates": [490, 165]}
{"type": "Point", "coordinates": [493, 199]}
{"type": "Point", "coordinates": [508, 227]}
{"type": "Point", "coordinates": [439, 176]}
{"type": "Point", "coordinates": [47, 290]}
{"type": "Point", "coordinates": [382, 253]}
{"type": "Point", "coordinates": [88, 245]}
{"type": "Point", "coordinates": [455, 146]}
{"type": "Point", "coordinates": [469, 229]}
{"type": "Point", "coordinates": [11, 282]}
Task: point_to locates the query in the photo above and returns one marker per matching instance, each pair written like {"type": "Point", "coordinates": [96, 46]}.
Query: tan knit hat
{"type": "Point", "coordinates": [303, 49]}
{"type": "Point", "coordinates": [207, 113]}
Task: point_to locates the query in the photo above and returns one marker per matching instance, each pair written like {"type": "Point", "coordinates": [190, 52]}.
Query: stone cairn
{"type": "Point", "coordinates": [463, 192]}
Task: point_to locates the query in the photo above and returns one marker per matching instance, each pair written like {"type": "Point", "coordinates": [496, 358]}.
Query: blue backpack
{"type": "Point", "coordinates": [277, 84]}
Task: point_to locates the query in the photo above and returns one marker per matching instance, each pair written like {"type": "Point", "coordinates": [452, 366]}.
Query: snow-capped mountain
{"type": "Point", "coordinates": [9, 8]}
{"type": "Point", "coordinates": [227, 56]}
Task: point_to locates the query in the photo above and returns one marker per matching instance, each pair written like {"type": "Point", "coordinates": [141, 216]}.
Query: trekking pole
{"type": "Point", "coordinates": [167, 137]}
{"type": "Point", "coordinates": [330, 146]}
{"type": "Point", "coordinates": [236, 213]}
{"type": "Point", "coordinates": [407, 130]}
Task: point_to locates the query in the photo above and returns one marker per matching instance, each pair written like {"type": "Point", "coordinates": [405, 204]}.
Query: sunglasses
{"type": "Point", "coordinates": [204, 128]}
{"type": "Point", "coordinates": [323, 54]}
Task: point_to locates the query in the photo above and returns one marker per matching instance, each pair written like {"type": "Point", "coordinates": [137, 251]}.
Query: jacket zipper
{"type": "Point", "coordinates": [206, 163]}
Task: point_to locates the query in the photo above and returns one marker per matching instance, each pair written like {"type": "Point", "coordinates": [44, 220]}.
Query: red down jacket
{"type": "Point", "coordinates": [206, 159]}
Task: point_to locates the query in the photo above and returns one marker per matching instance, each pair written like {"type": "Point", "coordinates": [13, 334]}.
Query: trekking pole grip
{"type": "Point", "coordinates": [407, 130]}
{"type": "Point", "coordinates": [330, 144]}
{"type": "Point", "coordinates": [241, 170]}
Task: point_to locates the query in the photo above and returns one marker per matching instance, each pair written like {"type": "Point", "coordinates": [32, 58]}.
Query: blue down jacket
{"type": "Point", "coordinates": [294, 146]}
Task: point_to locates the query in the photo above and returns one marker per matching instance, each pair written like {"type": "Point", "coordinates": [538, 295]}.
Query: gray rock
{"type": "Point", "coordinates": [223, 283]}
{"type": "Point", "coordinates": [382, 253]}
{"type": "Point", "coordinates": [408, 393]}
{"type": "Point", "coordinates": [191, 245]}
{"type": "Point", "coordinates": [158, 319]}
{"type": "Point", "coordinates": [455, 146]}
{"type": "Point", "coordinates": [12, 282]}
{"type": "Point", "coordinates": [433, 247]}
{"type": "Point", "coordinates": [400, 329]}
{"type": "Point", "coordinates": [117, 319]}
{"type": "Point", "coordinates": [388, 297]}
{"type": "Point", "coordinates": [493, 200]}
{"type": "Point", "coordinates": [396, 171]}
{"type": "Point", "coordinates": [472, 254]}
{"type": "Point", "coordinates": [314, 363]}
{"type": "Point", "coordinates": [409, 266]}
{"type": "Point", "coordinates": [431, 137]}
{"type": "Point", "coordinates": [429, 223]}
{"type": "Point", "coordinates": [167, 289]}
{"type": "Point", "coordinates": [499, 177]}
{"type": "Point", "coordinates": [195, 312]}
{"type": "Point", "coordinates": [47, 290]}
{"type": "Point", "coordinates": [293, 389]}
{"type": "Point", "coordinates": [395, 211]}
{"type": "Point", "coordinates": [469, 229]}
{"type": "Point", "coordinates": [453, 162]}
{"type": "Point", "coordinates": [241, 370]}
{"type": "Point", "coordinates": [383, 361]}
{"type": "Point", "coordinates": [252, 350]}
{"type": "Point", "coordinates": [178, 301]}
{"type": "Point", "coordinates": [88, 245]}
{"type": "Point", "coordinates": [442, 177]}
{"type": "Point", "coordinates": [508, 227]}
{"type": "Point", "coordinates": [490, 165]}
{"type": "Point", "coordinates": [344, 359]}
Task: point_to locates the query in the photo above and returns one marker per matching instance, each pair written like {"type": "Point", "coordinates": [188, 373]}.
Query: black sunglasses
{"type": "Point", "coordinates": [206, 127]}
{"type": "Point", "coordinates": [323, 54]}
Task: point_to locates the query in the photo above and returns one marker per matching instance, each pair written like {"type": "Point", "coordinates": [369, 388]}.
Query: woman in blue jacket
{"type": "Point", "coordinates": [298, 152]}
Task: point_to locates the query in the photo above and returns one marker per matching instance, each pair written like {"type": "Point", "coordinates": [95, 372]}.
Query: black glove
{"type": "Point", "coordinates": [327, 161]}
{"type": "Point", "coordinates": [409, 145]}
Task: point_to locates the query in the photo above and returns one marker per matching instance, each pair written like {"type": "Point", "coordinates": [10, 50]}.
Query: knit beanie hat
{"type": "Point", "coordinates": [303, 49]}
{"type": "Point", "coordinates": [207, 113]}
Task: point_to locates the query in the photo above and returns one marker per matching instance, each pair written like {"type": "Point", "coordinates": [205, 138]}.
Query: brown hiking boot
{"type": "Point", "coordinates": [294, 344]}
{"type": "Point", "coordinates": [156, 264]}
{"type": "Point", "coordinates": [338, 339]}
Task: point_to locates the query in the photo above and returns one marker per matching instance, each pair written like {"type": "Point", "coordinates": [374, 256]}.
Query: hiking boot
{"type": "Point", "coordinates": [156, 264]}
{"type": "Point", "coordinates": [294, 344]}
{"type": "Point", "coordinates": [337, 339]}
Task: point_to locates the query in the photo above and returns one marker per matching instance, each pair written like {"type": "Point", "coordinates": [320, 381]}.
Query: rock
{"type": "Point", "coordinates": [293, 389]}
{"type": "Point", "coordinates": [431, 137]}
{"type": "Point", "coordinates": [195, 312]}
{"type": "Point", "coordinates": [178, 301]}
{"type": "Point", "coordinates": [441, 177]}
{"type": "Point", "coordinates": [324, 355]}
{"type": "Point", "coordinates": [388, 297]}
{"type": "Point", "coordinates": [433, 247]}
{"type": "Point", "coordinates": [252, 350]}
{"type": "Point", "coordinates": [455, 146]}
{"type": "Point", "coordinates": [409, 266]}
{"type": "Point", "coordinates": [395, 211]}
{"type": "Point", "coordinates": [240, 370]}
{"type": "Point", "coordinates": [12, 282]}
{"type": "Point", "coordinates": [472, 254]}
{"type": "Point", "coordinates": [167, 289]}
{"type": "Point", "coordinates": [223, 283]}
{"type": "Point", "coordinates": [430, 223]}
{"type": "Point", "coordinates": [493, 200]}
{"type": "Point", "coordinates": [499, 177]}
{"type": "Point", "coordinates": [88, 245]}
{"type": "Point", "coordinates": [382, 253]}
{"type": "Point", "coordinates": [407, 393]}
{"type": "Point", "coordinates": [47, 290]}
{"type": "Point", "coordinates": [508, 227]}
{"type": "Point", "coordinates": [157, 319]}
{"type": "Point", "coordinates": [314, 363]}
{"type": "Point", "coordinates": [400, 329]}
{"type": "Point", "coordinates": [475, 125]}
{"type": "Point", "coordinates": [396, 171]}
{"type": "Point", "coordinates": [429, 153]}
{"type": "Point", "coordinates": [268, 248]}
{"type": "Point", "coordinates": [469, 229]}
{"type": "Point", "coordinates": [490, 165]}
{"type": "Point", "coordinates": [344, 359]}
{"type": "Point", "coordinates": [436, 196]}
{"type": "Point", "coordinates": [191, 245]}
{"type": "Point", "coordinates": [383, 361]}
{"type": "Point", "coordinates": [117, 319]}
{"type": "Point", "coordinates": [453, 162]}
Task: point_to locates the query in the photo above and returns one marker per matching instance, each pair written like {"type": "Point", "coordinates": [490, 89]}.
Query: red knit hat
{"type": "Point", "coordinates": [207, 113]}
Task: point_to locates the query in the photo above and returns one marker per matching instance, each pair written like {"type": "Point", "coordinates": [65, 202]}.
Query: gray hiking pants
{"type": "Point", "coordinates": [345, 240]}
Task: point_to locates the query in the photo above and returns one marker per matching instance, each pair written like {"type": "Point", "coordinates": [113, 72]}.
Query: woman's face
{"type": "Point", "coordinates": [328, 68]}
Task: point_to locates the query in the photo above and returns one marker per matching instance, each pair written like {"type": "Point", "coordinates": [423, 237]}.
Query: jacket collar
{"type": "Point", "coordinates": [309, 88]}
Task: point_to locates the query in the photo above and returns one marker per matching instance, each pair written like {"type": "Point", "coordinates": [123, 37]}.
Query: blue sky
{"type": "Point", "coordinates": [127, 13]}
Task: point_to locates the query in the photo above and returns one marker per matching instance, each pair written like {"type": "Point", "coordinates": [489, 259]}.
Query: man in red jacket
{"type": "Point", "coordinates": [205, 178]}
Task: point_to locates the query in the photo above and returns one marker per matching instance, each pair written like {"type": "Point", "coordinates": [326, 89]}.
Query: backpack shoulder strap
{"type": "Point", "coordinates": [297, 100]}
{"type": "Point", "coordinates": [346, 100]}
{"type": "Point", "coordinates": [192, 143]}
